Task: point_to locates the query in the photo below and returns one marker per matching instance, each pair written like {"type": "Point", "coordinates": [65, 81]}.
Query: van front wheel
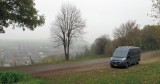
{"type": "Point", "coordinates": [112, 66]}
{"type": "Point", "coordinates": [126, 65]}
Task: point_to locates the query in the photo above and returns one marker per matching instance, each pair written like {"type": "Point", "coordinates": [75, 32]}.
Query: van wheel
{"type": "Point", "coordinates": [112, 66]}
{"type": "Point", "coordinates": [137, 62]}
{"type": "Point", "coordinates": [126, 65]}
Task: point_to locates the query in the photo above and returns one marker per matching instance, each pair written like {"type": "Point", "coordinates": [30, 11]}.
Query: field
{"type": "Point", "coordinates": [147, 72]}
{"type": "Point", "coordinates": [143, 74]}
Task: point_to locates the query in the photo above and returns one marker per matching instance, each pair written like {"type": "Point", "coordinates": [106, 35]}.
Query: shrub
{"type": "Point", "coordinates": [10, 77]}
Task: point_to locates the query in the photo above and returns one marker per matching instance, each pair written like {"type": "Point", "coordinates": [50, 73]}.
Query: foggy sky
{"type": "Point", "coordinates": [102, 17]}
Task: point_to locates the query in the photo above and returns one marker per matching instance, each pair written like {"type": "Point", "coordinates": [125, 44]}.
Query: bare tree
{"type": "Point", "coordinates": [124, 32]}
{"type": "Point", "coordinates": [67, 26]}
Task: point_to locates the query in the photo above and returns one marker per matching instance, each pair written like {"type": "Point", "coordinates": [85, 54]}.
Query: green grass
{"type": "Point", "coordinates": [32, 81]}
{"type": "Point", "coordinates": [140, 74]}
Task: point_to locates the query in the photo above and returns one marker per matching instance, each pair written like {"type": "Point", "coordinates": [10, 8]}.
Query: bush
{"type": "Point", "coordinates": [10, 77]}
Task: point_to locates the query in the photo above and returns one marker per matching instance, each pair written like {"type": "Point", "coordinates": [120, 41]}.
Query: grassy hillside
{"type": "Point", "coordinates": [148, 72]}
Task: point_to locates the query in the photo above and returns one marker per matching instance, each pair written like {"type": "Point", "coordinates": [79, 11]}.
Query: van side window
{"type": "Point", "coordinates": [134, 52]}
{"type": "Point", "coordinates": [130, 53]}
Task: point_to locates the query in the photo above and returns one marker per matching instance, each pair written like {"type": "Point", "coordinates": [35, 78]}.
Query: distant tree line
{"type": "Point", "coordinates": [127, 34]}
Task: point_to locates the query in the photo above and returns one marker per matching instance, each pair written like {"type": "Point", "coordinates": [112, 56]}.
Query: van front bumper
{"type": "Point", "coordinates": [118, 63]}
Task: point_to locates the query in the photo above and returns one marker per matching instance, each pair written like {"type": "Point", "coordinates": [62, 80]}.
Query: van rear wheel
{"type": "Point", "coordinates": [137, 62]}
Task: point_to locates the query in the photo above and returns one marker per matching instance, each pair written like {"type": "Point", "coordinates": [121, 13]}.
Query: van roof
{"type": "Point", "coordinates": [125, 48]}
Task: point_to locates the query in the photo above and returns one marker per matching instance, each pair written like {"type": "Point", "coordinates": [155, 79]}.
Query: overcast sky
{"type": "Point", "coordinates": [102, 17]}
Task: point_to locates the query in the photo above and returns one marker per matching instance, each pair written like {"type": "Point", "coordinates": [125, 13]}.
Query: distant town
{"type": "Point", "coordinates": [16, 53]}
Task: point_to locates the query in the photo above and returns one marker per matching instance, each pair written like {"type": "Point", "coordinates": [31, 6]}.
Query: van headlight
{"type": "Point", "coordinates": [111, 58]}
{"type": "Point", "coordinates": [123, 59]}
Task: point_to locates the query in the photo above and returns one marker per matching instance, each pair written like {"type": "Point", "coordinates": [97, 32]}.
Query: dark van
{"type": "Point", "coordinates": [125, 56]}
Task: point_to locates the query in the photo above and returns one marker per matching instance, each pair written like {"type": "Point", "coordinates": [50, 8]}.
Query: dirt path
{"type": "Point", "coordinates": [55, 67]}
{"type": "Point", "coordinates": [76, 66]}
{"type": "Point", "coordinates": [66, 65]}
{"type": "Point", "coordinates": [147, 57]}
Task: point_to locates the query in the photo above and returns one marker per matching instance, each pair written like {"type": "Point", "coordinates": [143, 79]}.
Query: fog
{"type": "Point", "coordinates": [20, 51]}
{"type": "Point", "coordinates": [101, 16]}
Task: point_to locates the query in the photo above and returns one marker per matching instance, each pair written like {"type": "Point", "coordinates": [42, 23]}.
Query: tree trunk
{"type": "Point", "coordinates": [67, 56]}
{"type": "Point", "coordinates": [68, 53]}
{"type": "Point", "coordinates": [65, 53]}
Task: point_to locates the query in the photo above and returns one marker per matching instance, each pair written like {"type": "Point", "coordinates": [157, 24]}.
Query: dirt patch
{"type": "Point", "coordinates": [65, 71]}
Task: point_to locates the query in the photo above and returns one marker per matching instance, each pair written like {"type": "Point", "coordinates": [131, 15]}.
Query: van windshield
{"type": "Point", "coordinates": [120, 54]}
